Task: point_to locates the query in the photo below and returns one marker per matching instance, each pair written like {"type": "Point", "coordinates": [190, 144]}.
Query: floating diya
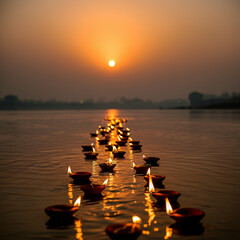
{"type": "Point", "coordinates": [135, 146]}
{"type": "Point", "coordinates": [94, 134]}
{"type": "Point", "coordinates": [128, 231]}
{"type": "Point", "coordinates": [141, 169]}
{"type": "Point", "coordinates": [87, 147]}
{"type": "Point", "coordinates": [121, 142]}
{"type": "Point", "coordinates": [110, 146]}
{"type": "Point", "coordinates": [94, 189]}
{"type": "Point", "coordinates": [151, 160]}
{"type": "Point", "coordinates": [133, 142]}
{"type": "Point", "coordinates": [157, 179]}
{"type": "Point", "coordinates": [63, 211]}
{"type": "Point", "coordinates": [107, 167]}
{"type": "Point", "coordinates": [162, 194]}
{"type": "Point", "coordinates": [91, 155]}
{"type": "Point", "coordinates": [118, 154]}
{"type": "Point", "coordinates": [184, 215]}
{"type": "Point", "coordinates": [79, 176]}
{"type": "Point", "coordinates": [103, 141]}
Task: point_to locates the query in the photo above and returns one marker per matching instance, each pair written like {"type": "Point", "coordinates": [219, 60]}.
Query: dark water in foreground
{"type": "Point", "coordinates": [200, 157]}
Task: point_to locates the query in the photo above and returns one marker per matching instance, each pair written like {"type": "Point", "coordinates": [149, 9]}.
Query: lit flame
{"type": "Point", "coordinates": [119, 138]}
{"type": "Point", "coordinates": [110, 144]}
{"type": "Point", "coordinates": [169, 232]}
{"type": "Point", "coordinates": [128, 134]}
{"type": "Point", "coordinates": [114, 149]}
{"type": "Point", "coordinates": [99, 126]}
{"type": "Point", "coordinates": [130, 139]}
{"type": "Point", "coordinates": [136, 219]}
{"type": "Point", "coordinates": [93, 149]}
{"type": "Point", "coordinates": [134, 165]}
{"type": "Point", "coordinates": [110, 161]}
{"type": "Point", "coordinates": [97, 132]}
{"type": "Point", "coordinates": [169, 209]}
{"type": "Point", "coordinates": [69, 170]}
{"type": "Point", "coordinates": [127, 129]}
{"type": "Point", "coordinates": [144, 156]}
{"type": "Point", "coordinates": [92, 144]}
{"type": "Point", "coordinates": [105, 182]}
{"type": "Point", "coordinates": [149, 172]}
{"type": "Point", "coordinates": [78, 202]}
{"type": "Point", "coordinates": [151, 186]}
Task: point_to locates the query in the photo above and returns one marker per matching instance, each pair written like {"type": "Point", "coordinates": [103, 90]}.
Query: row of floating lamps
{"type": "Point", "coordinates": [184, 217]}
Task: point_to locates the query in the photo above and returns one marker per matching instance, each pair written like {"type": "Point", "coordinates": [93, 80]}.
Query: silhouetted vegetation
{"type": "Point", "coordinates": [11, 102]}
{"type": "Point", "coordinates": [196, 99]}
{"type": "Point", "coordinates": [225, 100]}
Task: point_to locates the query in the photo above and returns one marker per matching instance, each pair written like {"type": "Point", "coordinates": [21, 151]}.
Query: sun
{"type": "Point", "coordinates": [111, 63]}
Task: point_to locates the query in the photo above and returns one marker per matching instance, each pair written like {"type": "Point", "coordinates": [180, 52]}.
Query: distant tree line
{"type": "Point", "coordinates": [225, 100]}
{"type": "Point", "coordinates": [12, 102]}
{"type": "Point", "coordinates": [196, 100]}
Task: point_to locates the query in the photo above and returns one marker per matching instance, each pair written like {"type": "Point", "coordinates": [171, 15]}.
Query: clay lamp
{"type": "Point", "coordinates": [121, 142]}
{"type": "Point", "coordinates": [63, 211]}
{"type": "Point", "coordinates": [123, 138]}
{"type": "Point", "coordinates": [162, 194]}
{"type": "Point", "coordinates": [110, 146]}
{"type": "Point", "coordinates": [136, 146]}
{"type": "Point", "coordinates": [184, 215]}
{"type": "Point", "coordinates": [157, 179]}
{"type": "Point", "coordinates": [125, 131]}
{"type": "Point", "coordinates": [94, 134]}
{"type": "Point", "coordinates": [128, 231]}
{"type": "Point", "coordinates": [91, 155]}
{"type": "Point", "coordinates": [141, 169]}
{"type": "Point", "coordinates": [93, 189]}
{"type": "Point", "coordinates": [151, 160]}
{"type": "Point", "coordinates": [133, 142]}
{"type": "Point", "coordinates": [79, 176]}
{"type": "Point", "coordinates": [107, 167]}
{"type": "Point", "coordinates": [87, 148]}
{"type": "Point", "coordinates": [118, 154]}
{"type": "Point", "coordinates": [103, 141]}
{"type": "Point", "coordinates": [101, 128]}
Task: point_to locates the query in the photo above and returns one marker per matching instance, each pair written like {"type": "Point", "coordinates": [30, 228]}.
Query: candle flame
{"type": "Point", "coordinates": [97, 132]}
{"type": "Point", "coordinates": [136, 219]}
{"type": "Point", "coordinates": [105, 182]}
{"type": "Point", "coordinates": [92, 144]}
{"type": "Point", "coordinates": [134, 165]}
{"type": "Point", "coordinates": [128, 134]}
{"type": "Point", "coordinates": [119, 138]}
{"type": "Point", "coordinates": [130, 139]}
{"type": "Point", "coordinates": [127, 129]}
{"type": "Point", "coordinates": [78, 202]}
{"type": "Point", "coordinates": [149, 172]}
{"type": "Point", "coordinates": [151, 186]}
{"type": "Point", "coordinates": [169, 209]}
{"type": "Point", "coordinates": [69, 170]}
{"type": "Point", "coordinates": [93, 149]}
{"type": "Point", "coordinates": [114, 149]}
{"type": "Point", "coordinates": [144, 156]}
{"type": "Point", "coordinates": [110, 161]}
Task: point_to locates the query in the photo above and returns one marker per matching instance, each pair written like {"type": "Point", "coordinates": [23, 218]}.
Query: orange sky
{"type": "Point", "coordinates": [163, 49]}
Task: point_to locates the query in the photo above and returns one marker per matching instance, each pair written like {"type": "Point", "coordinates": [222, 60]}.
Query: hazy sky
{"type": "Point", "coordinates": [163, 49]}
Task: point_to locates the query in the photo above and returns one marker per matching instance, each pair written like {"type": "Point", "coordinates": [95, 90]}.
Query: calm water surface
{"type": "Point", "coordinates": [199, 153]}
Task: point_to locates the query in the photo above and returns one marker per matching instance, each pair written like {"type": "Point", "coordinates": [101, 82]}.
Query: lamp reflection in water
{"type": "Point", "coordinates": [149, 208]}
{"type": "Point", "coordinates": [78, 228]}
{"type": "Point", "coordinates": [169, 232]}
{"type": "Point", "coordinates": [70, 193]}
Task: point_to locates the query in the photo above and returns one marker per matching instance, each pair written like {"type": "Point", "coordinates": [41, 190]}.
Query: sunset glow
{"type": "Point", "coordinates": [111, 63]}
